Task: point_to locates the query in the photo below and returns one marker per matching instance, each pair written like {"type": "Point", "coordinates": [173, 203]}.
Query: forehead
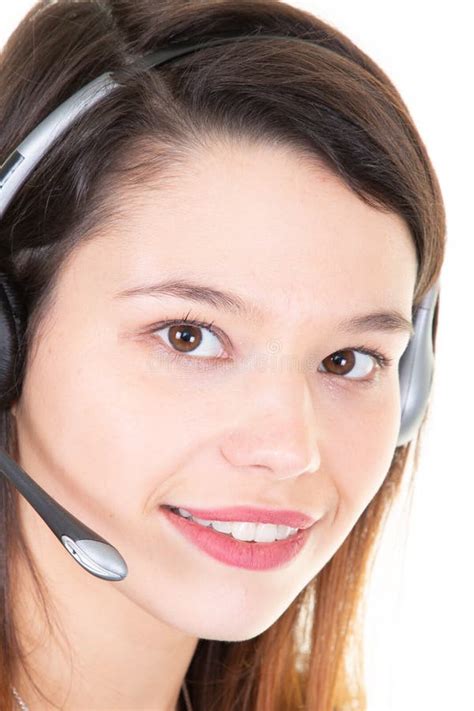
{"type": "Point", "coordinates": [264, 221]}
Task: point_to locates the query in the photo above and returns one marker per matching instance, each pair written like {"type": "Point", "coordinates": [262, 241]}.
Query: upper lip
{"type": "Point", "coordinates": [284, 517]}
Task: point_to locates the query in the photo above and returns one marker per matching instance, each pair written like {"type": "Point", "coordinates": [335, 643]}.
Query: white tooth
{"type": "Point", "coordinates": [222, 526]}
{"type": "Point", "coordinates": [266, 533]}
{"type": "Point", "coordinates": [243, 531]}
{"type": "Point", "coordinates": [202, 521]}
{"type": "Point", "coordinates": [285, 531]}
{"type": "Point", "coordinates": [183, 512]}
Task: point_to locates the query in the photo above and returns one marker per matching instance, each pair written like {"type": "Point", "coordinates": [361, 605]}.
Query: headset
{"type": "Point", "coordinates": [90, 550]}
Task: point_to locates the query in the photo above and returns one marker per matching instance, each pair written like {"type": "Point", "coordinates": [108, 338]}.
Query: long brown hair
{"type": "Point", "coordinates": [328, 100]}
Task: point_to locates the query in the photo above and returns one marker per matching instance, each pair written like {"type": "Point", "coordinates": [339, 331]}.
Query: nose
{"type": "Point", "coordinates": [277, 427]}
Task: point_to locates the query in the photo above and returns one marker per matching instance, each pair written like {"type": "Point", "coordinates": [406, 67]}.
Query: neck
{"type": "Point", "coordinates": [24, 707]}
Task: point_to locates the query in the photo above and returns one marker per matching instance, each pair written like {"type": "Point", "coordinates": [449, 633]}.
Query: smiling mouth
{"type": "Point", "coordinates": [245, 515]}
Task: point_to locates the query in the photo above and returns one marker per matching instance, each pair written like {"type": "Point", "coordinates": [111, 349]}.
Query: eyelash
{"type": "Point", "coordinates": [382, 360]}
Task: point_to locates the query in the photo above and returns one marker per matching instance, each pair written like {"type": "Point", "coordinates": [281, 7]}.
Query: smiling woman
{"type": "Point", "coordinates": [219, 280]}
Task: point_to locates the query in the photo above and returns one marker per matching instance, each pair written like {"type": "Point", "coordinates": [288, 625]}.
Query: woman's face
{"type": "Point", "coordinates": [113, 427]}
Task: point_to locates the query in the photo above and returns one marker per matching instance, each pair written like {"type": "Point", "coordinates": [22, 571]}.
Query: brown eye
{"type": "Point", "coordinates": [187, 338]}
{"type": "Point", "coordinates": [342, 363]}
{"type": "Point", "coordinates": [184, 337]}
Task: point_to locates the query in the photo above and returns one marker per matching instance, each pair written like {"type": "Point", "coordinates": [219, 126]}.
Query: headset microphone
{"type": "Point", "coordinates": [86, 546]}
{"type": "Point", "coordinates": [89, 549]}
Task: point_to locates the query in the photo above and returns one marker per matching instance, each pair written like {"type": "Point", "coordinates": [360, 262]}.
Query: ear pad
{"type": "Point", "coordinates": [12, 324]}
{"type": "Point", "coordinates": [416, 368]}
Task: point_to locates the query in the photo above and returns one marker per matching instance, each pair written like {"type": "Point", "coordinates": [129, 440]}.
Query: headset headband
{"type": "Point", "coordinates": [21, 162]}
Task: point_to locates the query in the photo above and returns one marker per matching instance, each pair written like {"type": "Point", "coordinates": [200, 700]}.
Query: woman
{"type": "Point", "coordinates": [198, 259]}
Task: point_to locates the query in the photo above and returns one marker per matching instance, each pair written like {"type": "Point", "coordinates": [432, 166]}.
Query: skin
{"type": "Point", "coordinates": [111, 428]}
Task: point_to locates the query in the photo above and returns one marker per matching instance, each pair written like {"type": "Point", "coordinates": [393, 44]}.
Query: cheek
{"type": "Point", "coordinates": [105, 436]}
{"type": "Point", "coordinates": [362, 462]}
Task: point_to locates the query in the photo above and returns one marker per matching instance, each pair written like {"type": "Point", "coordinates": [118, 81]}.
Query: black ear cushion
{"type": "Point", "coordinates": [12, 324]}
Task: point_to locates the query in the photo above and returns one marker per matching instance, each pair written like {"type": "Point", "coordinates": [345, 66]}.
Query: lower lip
{"type": "Point", "coordinates": [240, 554]}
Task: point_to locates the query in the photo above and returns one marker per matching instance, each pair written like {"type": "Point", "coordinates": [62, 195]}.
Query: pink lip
{"type": "Point", "coordinates": [295, 519]}
{"type": "Point", "coordinates": [240, 554]}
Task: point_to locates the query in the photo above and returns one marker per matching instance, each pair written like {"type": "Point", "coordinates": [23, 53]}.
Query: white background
{"type": "Point", "coordinates": [418, 651]}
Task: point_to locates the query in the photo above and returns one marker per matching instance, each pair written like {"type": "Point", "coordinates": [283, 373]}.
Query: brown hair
{"type": "Point", "coordinates": [330, 102]}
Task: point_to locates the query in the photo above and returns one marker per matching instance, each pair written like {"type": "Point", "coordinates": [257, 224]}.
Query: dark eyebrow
{"type": "Point", "coordinates": [389, 321]}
